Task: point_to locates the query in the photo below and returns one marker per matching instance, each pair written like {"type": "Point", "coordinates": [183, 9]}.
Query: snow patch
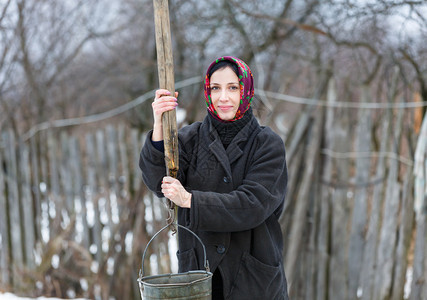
{"type": "Point", "coordinates": [9, 296]}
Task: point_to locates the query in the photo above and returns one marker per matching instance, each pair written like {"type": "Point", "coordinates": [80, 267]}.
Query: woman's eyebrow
{"type": "Point", "coordinates": [232, 82]}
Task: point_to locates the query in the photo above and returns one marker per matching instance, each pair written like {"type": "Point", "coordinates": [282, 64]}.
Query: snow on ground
{"type": "Point", "coordinates": [9, 296]}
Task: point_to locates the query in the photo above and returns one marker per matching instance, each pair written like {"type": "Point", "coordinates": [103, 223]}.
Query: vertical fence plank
{"type": "Point", "coordinates": [323, 239]}
{"type": "Point", "coordinates": [126, 205]}
{"type": "Point", "coordinates": [405, 235]}
{"type": "Point", "coordinates": [405, 214]}
{"type": "Point", "coordinates": [102, 168]}
{"type": "Point", "coordinates": [140, 235]}
{"type": "Point", "coordinates": [387, 240]}
{"type": "Point", "coordinates": [135, 150]}
{"type": "Point", "coordinates": [14, 209]}
{"type": "Point", "coordinates": [35, 175]}
{"type": "Point", "coordinates": [93, 195]}
{"type": "Point", "coordinates": [54, 200]}
{"type": "Point", "coordinates": [4, 231]}
{"type": "Point", "coordinates": [302, 204]}
{"type": "Point", "coordinates": [420, 206]}
{"type": "Point", "coordinates": [66, 178]}
{"type": "Point", "coordinates": [388, 231]}
{"type": "Point", "coordinates": [424, 283]}
{"type": "Point", "coordinates": [78, 187]}
{"type": "Point", "coordinates": [124, 174]}
{"type": "Point", "coordinates": [369, 264]}
{"type": "Point", "coordinates": [418, 280]}
{"type": "Point", "coordinates": [312, 228]}
{"type": "Point", "coordinates": [360, 206]}
{"type": "Point", "coordinates": [27, 206]}
{"type": "Point", "coordinates": [138, 228]}
{"type": "Point", "coordinates": [112, 171]}
{"type": "Point", "coordinates": [338, 284]}
{"type": "Point", "coordinates": [295, 167]}
{"type": "Point", "coordinates": [43, 187]}
{"type": "Point", "coordinates": [370, 253]}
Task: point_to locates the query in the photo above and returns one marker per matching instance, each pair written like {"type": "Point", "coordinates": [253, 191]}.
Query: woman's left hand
{"type": "Point", "coordinates": [174, 191]}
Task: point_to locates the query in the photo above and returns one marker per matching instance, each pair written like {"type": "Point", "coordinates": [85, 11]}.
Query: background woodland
{"type": "Point", "coordinates": [343, 82]}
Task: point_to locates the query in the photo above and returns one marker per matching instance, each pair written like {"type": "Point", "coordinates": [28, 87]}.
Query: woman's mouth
{"type": "Point", "coordinates": [225, 107]}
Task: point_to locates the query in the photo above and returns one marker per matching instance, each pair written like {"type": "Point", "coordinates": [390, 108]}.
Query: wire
{"type": "Point", "coordinates": [197, 79]}
{"type": "Point", "coordinates": [105, 115]}
{"type": "Point", "coordinates": [391, 155]}
{"type": "Point", "coordinates": [318, 102]}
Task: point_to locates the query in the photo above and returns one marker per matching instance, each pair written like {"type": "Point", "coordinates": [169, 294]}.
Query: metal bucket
{"type": "Point", "coordinates": [190, 285]}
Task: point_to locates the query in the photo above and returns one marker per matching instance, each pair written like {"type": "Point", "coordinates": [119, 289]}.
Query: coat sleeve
{"type": "Point", "coordinates": [152, 160]}
{"type": "Point", "coordinates": [152, 165]}
{"type": "Point", "coordinates": [260, 195]}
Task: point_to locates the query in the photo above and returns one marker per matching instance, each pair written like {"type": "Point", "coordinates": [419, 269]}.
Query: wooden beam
{"type": "Point", "coordinates": [166, 81]}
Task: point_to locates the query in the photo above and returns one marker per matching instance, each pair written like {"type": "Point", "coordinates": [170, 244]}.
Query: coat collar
{"type": "Point", "coordinates": [233, 152]}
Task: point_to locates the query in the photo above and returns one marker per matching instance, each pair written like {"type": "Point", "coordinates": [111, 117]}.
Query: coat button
{"type": "Point", "coordinates": [220, 249]}
{"type": "Point", "coordinates": [226, 179]}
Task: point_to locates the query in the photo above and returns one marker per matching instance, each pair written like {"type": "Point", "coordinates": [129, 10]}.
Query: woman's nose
{"type": "Point", "coordinates": [223, 95]}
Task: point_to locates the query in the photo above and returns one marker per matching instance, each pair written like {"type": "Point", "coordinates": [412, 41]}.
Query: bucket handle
{"type": "Point", "coordinates": [206, 263]}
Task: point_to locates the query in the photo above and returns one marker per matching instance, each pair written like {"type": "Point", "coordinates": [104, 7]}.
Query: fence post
{"type": "Point", "coordinates": [53, 200]}
{"type": "Point", "coordinates": [323, 238]}
{"type": "Point", "coordinates": [370, 252]}
{"type": "Point", "coordinates": [388, 231]}
{"type": "Point", "coordinates": [405, 236]}
{"type": "Point", "coordinates": [78, 186]}
{"type": "Point", "coordinates": [4, 232]}
{"type": "Point", "coordinates": [123, 175]}
{"type": "Point", "coordinates": [93, 191]}
{"type": "Point", "coordinates": [338, 262]}
{"type": "Point", "coordinates": [302, 204]}
{"type": "Point", "coordinates": [112, 172]}
{"type": "Point", "coordinates": [135, 150]}
{"type": "Point", "coordinates": [65, 177]}
{"type": "Point", "coordinates": [419, 285]}
{"type": "Point", "coordinates": [27, 206]}
{"type": "Point", "coordinates": [102, 170]}
{"type": "Point", "coordinates": [17, 262]}
{"type": "Point", "coordinates": [36, 187]}
{"type": "Point", "coordinates": [360, 206]}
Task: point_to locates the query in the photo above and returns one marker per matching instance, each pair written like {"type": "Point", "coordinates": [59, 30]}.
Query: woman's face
{"type": "Point", "coordinates": [225, 93]}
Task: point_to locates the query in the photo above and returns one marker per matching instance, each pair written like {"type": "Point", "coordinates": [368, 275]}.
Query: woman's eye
{"type": "Point", "coordinates": [214, 88]}
{"type": "Point", "coordinates": [233, 87]}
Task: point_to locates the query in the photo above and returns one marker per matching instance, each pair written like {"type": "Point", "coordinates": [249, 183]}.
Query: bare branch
{"type": "Point", "coordinates": [3, 12]}
{"type": "Point", "coordinates": [371, 74]}
{"type": "Point", "coordinates": [282, 18]}
{"type": "Point", "coordinates": [420, 76]}
{"type": "Point", "coordinates": [352, 44]}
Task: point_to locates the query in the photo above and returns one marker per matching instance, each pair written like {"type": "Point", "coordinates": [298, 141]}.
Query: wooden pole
{"type": "Point", "coordinates": [166, 81]}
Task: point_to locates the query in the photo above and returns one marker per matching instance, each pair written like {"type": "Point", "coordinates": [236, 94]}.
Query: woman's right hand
{"type": "Point", "coordinates": [163, 102]}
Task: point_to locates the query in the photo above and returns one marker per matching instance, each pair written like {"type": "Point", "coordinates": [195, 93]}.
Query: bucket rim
{"type": "Point", "coordinates": [141, 279]}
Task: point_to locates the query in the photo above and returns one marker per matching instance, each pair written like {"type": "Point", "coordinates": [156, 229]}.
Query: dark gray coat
{"type": "Point", "coordinates": [238, 196]}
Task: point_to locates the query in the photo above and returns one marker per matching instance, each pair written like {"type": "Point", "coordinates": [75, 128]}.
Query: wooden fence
{"type": "Point", "coordinates": [75, 215]}
{"type": "Point", "coordinates": [349, 222]}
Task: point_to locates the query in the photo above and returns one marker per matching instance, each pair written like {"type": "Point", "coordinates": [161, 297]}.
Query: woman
{"type": "Point", "coordinates": [230, 187]}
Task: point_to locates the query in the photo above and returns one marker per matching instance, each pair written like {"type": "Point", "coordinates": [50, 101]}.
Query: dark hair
{"type": "Point", "coordinates": [224, 64]}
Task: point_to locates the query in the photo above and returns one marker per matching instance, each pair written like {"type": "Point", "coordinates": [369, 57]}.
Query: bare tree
{"type": "Point", "coordinates": [48, 37]}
